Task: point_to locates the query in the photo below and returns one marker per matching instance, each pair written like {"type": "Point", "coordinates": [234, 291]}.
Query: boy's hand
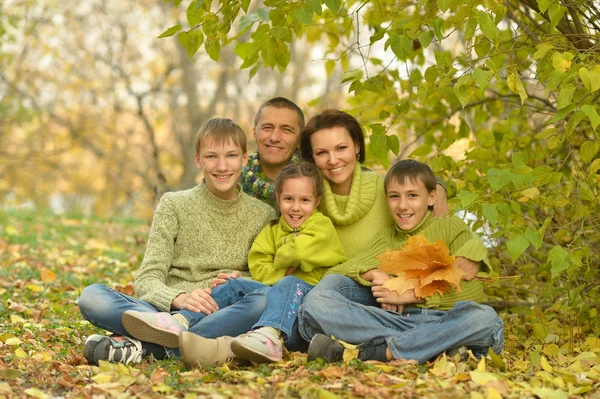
{"type": "Point", "coordinates": [391, 297]}
{"type": "Point", "coordinates": [199, 300]}
{"type": "Point", "coordinates": [440, 208]}
{"type": "Point", "coordinates": [375, 274]}
{"type": "Point", "coordinates": [223, 277]}
{"type": "Point", "coordinates": [468, 267]}
{"type": "Point", "coordinates": [290, 270]}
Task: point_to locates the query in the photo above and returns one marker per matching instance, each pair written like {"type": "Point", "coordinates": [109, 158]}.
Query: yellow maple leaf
{"type": "Point", "coordinates": [426, 267]}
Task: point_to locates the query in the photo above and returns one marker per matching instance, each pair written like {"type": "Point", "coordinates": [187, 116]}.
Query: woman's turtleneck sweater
{"type": "Point", "coordinates": [361, 214]}
{"type": "Point", "coordinates": [461, 241]}
{"type": "Point", "coordinates": [194, 236]}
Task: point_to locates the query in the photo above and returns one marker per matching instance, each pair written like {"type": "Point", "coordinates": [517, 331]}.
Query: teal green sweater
{"type": "Point", "coordinates": [311, 249]}
{"type": "Point", "coordinates": [461, 241]}
{"type": "Point", "coordinates": [194, 236]}
{"type": "Point", "coordinates": [362, 213]}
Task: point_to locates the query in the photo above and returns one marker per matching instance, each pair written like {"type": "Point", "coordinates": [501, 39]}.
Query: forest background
{"type": "Point", "coordinates": [97, 118]}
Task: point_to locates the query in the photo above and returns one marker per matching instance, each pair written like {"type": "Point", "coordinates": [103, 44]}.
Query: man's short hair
{"type": "Point", "coordinates": [222, 131]}
{"type": "Point", "coordinates": [326, 120]}
{"type": "Point", "coordinates": [412, 170]}
{"type": "Point", "coordinates": [280, 102]}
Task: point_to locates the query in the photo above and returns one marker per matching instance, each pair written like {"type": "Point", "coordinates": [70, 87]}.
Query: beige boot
{"type": "Point", "coordinates": [200, 351]}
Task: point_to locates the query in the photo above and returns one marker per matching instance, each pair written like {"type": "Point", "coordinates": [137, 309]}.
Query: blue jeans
{"type": "Point", "coordinates": [103, 307]}
{"type": "Point", "coordinates": [342, 310]}
{"type": "Point", "coordinates": [283, 303]}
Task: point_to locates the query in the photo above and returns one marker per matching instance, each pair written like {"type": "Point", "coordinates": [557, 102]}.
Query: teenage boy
{"type": "Point", "coordinates": [415, 328]}
{"type": "Point", "coordinates": [195, 235]}
{"type": "Point", "coordinates": [277, 126]}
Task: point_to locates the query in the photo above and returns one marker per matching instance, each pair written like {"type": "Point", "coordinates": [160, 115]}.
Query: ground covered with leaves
{"type": "Point", "coordinates": [47, 260]}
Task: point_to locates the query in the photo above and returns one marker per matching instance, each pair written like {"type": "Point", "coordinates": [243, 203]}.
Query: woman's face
{"type": "Point", "coordinates": [334, 153]}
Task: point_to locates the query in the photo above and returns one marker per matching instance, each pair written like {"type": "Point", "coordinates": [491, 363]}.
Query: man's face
{"type": "Point", "coordinates": [276, 134]}
{"type": "Point", "coordinates": [222, 164]}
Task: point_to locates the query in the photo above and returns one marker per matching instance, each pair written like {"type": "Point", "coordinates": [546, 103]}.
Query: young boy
{"type": "Point", "coordinates": [405, 326]}
{"type": "Point", "coordinates": [195, 235]}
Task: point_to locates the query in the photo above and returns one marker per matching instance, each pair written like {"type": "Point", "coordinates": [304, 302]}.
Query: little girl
{"type": "Point", "coordinates": [291, 254]}
{"type": "Point", "coordinates": [301, 245]}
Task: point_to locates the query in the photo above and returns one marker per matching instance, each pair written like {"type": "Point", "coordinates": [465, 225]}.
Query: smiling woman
{"type": "Point", "coordinates": [353, 198]}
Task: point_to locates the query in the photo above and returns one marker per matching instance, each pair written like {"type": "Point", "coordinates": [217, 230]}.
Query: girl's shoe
{"type": "Point", "coordinates": [262, 345]}
{"type": "Point", "coordinates": [157, 327]}
{"type": "Point", "coordinates": [199, 351]}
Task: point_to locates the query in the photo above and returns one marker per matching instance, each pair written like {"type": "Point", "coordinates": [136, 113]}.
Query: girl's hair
{"type": "Point", "coordinates": [326, 120]}
{"type": "Point", "coordinates": [303, 169]}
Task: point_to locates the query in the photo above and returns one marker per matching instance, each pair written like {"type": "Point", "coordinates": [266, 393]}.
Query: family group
{"type": "Point", "coordinates": [278, 249]}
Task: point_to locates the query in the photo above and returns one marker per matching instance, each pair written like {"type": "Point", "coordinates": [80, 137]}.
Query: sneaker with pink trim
{"type": "Point", "coordinates": [157, 327]}
{"type": "Point", "coordinates": [262, 345]}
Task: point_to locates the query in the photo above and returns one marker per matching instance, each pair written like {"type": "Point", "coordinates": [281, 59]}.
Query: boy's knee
{"type": "Point", "coordinates": [333, 282]}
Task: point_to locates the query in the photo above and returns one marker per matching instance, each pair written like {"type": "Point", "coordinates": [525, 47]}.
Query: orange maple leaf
{"type": "Point", "coordinates": [426, 267]}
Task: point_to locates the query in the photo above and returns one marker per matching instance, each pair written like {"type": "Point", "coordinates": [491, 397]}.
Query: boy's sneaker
{"type": "Point", "coordinates": [323, 347]}
{"type": "Point", "coordinates": [262, 345]}
{"type": "Point", "coordinates": [157, 327]}
{"type": "Point", "coordinates": [112, 349]}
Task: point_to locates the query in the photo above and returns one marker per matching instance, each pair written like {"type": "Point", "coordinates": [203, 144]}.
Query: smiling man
{"type": "Point", "coordinates": [277, 127]}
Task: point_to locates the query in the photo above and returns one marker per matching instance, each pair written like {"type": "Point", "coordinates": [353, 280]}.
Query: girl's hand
{"type": "Point", "coordinates": [223, 277]}
{"type": "Point", "coordinates": [290, 270]}
{"type": "Point", "coordinates": [468, 267]}
{"type": "Point", "coordinates": [375, 274]}
{"type": "Point", "coordinates": [199, 300]}
{"type": "Point", "coordinates": [391, 297]}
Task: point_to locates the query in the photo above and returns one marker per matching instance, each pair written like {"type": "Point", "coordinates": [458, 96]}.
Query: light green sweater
{"type": "Point", "coordinates": [361, 214]}
{"type": "Point", "coordinates": [194, 236]}
{"type": "Point", "coordinates": [311, 248]}
{"type": "Point", "coordinates": [461, 241]}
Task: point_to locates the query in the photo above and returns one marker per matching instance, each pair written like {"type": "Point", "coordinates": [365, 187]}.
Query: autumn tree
{"type": "Point", "coordinates": [501, 98]}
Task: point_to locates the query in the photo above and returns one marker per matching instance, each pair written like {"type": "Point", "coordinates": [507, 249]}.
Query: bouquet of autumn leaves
{"type": "Point", "coordinates": [427, 268]}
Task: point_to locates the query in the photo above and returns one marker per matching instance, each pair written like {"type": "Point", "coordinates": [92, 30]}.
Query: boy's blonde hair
{"type": "Point", "coordinates": [222, 130]}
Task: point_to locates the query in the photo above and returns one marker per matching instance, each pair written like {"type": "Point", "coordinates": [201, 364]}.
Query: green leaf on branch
{"type": "Point", "coordinates": [595, 166]}
{"type": "Point", "coordinates": [542, 50]}
{"type": "Point", "coordinates": [490, 213]}
{"type": "Point", "coordinates": [534, 237]}
{"type": "Point", "coordinates": [444, 5]}
{"type": "Point", "coordinates": [556, 12]}
{"type": "Point", "coordinates": [559, 260]}
{"type": "Point", "coordinates": [425, 38]}
{"type": "Point", "coordinates": [333, 5]}
{"type": "Point", "coordinates": [463, 89]}
{"type": "Point", "coordinates": [263, 13]}
{"type": "Point", "coordinates": [561, 61]}
{"type": "Point", "coordinates": [544, 4]}
{"type": "Point", "coordinates": [393, 143]}
{"type": "Point", "coordinates": [590, 79]}
{"type": "Point", "coordinates": [466, 197]}
{"type": "Point", "coordinates": [191, 41]}
{"type": "Point", "coordinates": [498, 178]}
{"type": "Point", "coordinates": [194, 14]}
{"type": "Point", "coordinates": [482, 78]}
{"type": "Point", "coordinates": [213, 48]}
{"type": "Point", "coordinates": [562, 113]}
{"type": "Point", "coordinates": [588, 151]}
{"type": "Point", "coordinates": [516, 246]}
{"type": "Point", "coordinates": [516, 86]}
{"type": "Point", "coordinates": [592, 114]}
{"type": "Point", "coordinates": [374, 84]}
{"type": "Point", "coordinates": [170, 32]}
{"type": "Point", "coordinates": [436, 24]}
{"type": "Point", "coordinates": [247, 21]}
{"type": "Point", "coordinates": [566, 95]}
{"type": "Point", "coordinates": [487, 26]}
{"type": "Point", "coordinates": [315, 5]}
{"type": "Point", "coordinates": [443, 58]}
{"type": "Point", "coordinates": [305, 15]}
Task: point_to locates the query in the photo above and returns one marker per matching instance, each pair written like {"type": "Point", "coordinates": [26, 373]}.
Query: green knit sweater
{"type": "Point", "coordinates": [194, 236]}
{"type": "Point", "coordinates": [311, 249]}
{"type": "Point", "coordinates": [452, 230]}
{"type": "Point", "coordinates": [358, 216]}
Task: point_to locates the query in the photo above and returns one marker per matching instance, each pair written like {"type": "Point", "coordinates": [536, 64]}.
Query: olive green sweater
{"type": "Point", "coordinates": [194, 236]}
{"type": "Point", "coordinates": [361, 214]}
{"type": "Point", "coordinates": [461, 241]}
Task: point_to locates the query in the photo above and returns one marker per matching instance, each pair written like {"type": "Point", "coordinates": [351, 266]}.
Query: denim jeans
{"type": "Point", "coordinates": [103, 307]}
{"type": "Point", "coordinates": [283, 302]}
{"type": "Point", "coordinates": [419, 334]}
